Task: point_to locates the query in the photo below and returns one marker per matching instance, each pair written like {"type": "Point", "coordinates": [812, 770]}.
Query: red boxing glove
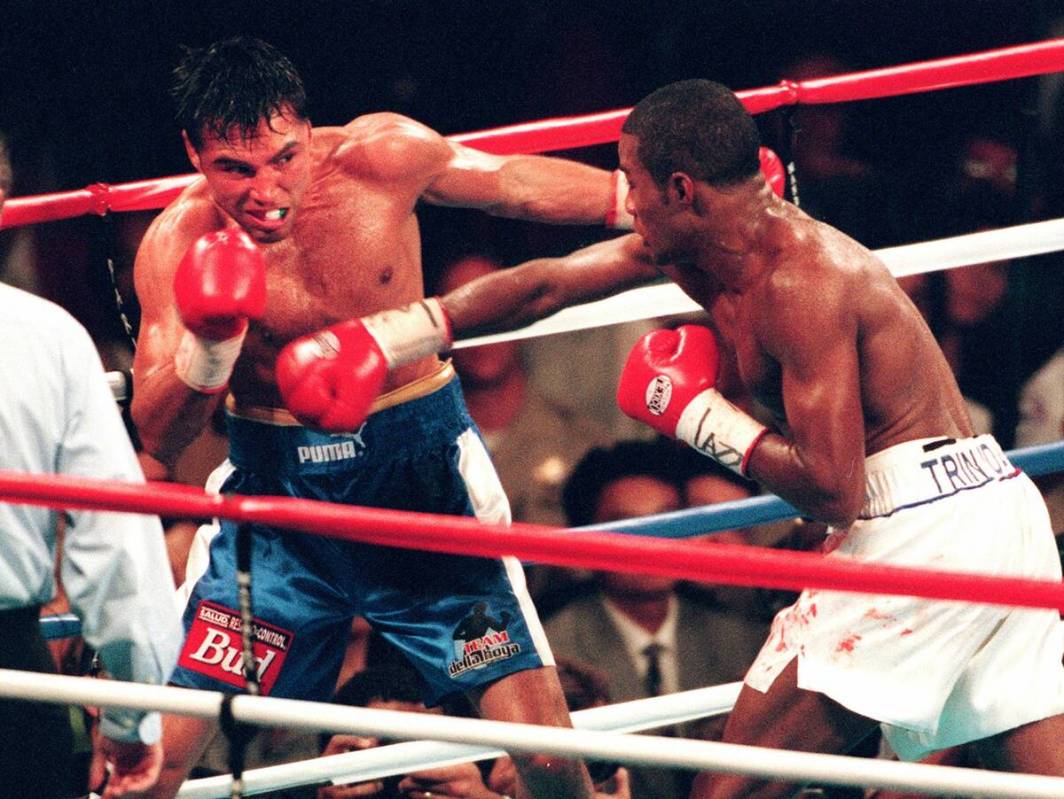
{"type": "Point", "coordinates": [219, 285]}
{"type": "Point", "coordinates": [330, 379]}
{"type": "Point", "coordinates": [617, 216]}
{"type": "Point", "coordinates": [773, 170]}
{"type": "Point", "coordinates": [668, 383]}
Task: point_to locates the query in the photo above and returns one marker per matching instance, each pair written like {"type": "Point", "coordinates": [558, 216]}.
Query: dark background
{"type": "Point", "coordinates": [91, 78]}
{"type": "Point", "coordinates": [83, 98]}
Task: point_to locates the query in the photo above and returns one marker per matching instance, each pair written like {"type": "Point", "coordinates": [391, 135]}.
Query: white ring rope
{"type": "Point", "coordinates": [637, 749]}
{"type": "Point", "coordinates": [403, 758]}
{"type": "Point", "coordinates": [650, 302]}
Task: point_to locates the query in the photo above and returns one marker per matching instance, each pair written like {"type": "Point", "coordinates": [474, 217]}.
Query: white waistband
{"type": "Point", "coordinates": [927, 469]}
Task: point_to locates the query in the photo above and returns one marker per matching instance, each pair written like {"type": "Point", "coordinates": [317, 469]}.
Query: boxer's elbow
{"type": "Point", "coordinates": [830, 493]}
{"type": "Point", "coordinates": [154, 440]}
{"type": "Point", "coordinates": [541, 287]}
{"type": "Point", "coordinates": [837, 503]}
{"type": "Point", "coordinates": [838, 512]}
{"type": "Point", "coordinates": [162, 436]}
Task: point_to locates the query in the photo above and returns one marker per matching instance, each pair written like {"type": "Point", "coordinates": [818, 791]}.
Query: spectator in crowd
{"type": "Point", "coordinates": [647, 637]}
{"type": "Point", "coordinates": [835, 183]}
{"type": "Point", "coordinates": [396, 686]}
{"type": "Point", "coordinates": [392, 684]}
{"type": "Point", "coordinates": [972, 310]}
{"type": "Point", "coordinates": [973, 317]}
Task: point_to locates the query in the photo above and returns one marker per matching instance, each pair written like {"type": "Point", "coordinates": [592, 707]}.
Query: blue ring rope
{"type": "Point", "coordinates": [1035, 461]}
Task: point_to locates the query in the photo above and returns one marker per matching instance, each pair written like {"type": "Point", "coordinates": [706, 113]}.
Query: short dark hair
{"type": "Point", "coordinates": [393, 684]}
{"type": "Point", "coordinates": [601, 467]}
{"type": "Point", "coordinates": [698, 127]}
{"type": "Point", "coordinates": [231, 86]}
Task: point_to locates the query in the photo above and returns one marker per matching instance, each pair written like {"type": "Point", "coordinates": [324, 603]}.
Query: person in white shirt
{"type": "Point", "coordinates": [57, 416]}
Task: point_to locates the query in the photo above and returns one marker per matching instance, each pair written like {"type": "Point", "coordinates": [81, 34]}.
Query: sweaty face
{"type": "Point", "coordinates": [259, 181]}
{"type": "Point", "coordinates": [646, 202]}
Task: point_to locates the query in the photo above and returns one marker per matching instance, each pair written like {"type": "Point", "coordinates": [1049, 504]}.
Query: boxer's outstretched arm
{"type": "Point", "coordinates": [533, 187]}
{"type": "Point", "coordinates": [329, 379]}
{"type": "Point", "coordinates": [515, 297]}
{"type": "Point", "coordinates": [411, 157]}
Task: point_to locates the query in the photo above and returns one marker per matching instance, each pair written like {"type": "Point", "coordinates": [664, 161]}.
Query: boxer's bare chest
{"type": "Point", "coordinates": [759, 372]}
{"type": "Point", "coordinates": [354, 250]}
{"type": "Point", "coordinates": [735, 320]}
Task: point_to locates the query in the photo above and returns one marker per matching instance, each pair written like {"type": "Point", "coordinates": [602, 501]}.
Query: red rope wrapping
{"type": "Point", "coordinates": [565, 133]}
{"type": "Point", "coordinates": [720, 563]}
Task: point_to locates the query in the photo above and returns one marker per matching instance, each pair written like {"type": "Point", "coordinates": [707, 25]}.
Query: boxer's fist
{"type": "Point", "coordinates": [668, 383]}
{"type": "Point", "coordinates": [665, 371]}
{"type": "Point", "coordinates": [329, 379]}
{"type": "Point", "coordinates": [220, 284]}
{"type": "Point", "coordinates": [617, 216]}
{"type": "Point", "coordinates": [773, 170]}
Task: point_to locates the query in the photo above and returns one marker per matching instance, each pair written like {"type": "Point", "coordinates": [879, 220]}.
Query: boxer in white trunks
{"type": "Point", "coordinates": [863, 428]}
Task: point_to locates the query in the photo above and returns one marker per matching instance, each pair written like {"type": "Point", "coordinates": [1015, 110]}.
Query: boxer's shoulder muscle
{"type": "Point", "coordinates": [391, 147]}
{"type": "Point", "coordinates": [170, 235]}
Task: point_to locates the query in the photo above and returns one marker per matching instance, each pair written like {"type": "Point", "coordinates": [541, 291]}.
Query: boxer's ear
{"type": "Point", "coordinates": [681, 187]}
{"type": "Point", "coordinates": [190, 151]}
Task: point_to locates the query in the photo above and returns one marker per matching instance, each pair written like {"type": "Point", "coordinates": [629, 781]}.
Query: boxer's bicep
{"type": "Point", "coordinates": [815, 345]}
{"type": "Point", "coordinates": [160, 326]}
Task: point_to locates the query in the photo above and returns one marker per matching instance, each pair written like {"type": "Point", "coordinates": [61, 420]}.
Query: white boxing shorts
{"type": "Point", "coordinates": [934, 673]}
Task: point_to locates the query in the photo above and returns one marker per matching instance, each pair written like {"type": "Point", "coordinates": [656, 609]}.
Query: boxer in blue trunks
{"type": "Point", "coordinates": [461, 621]}
{"type": "Point", "coordinates": [288, 230]}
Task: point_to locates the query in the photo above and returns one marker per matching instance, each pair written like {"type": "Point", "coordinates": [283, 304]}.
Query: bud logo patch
{"type": "Point", "coordinates": [213, 647]}
{"type": "Point", "coordinates": [659, 394]}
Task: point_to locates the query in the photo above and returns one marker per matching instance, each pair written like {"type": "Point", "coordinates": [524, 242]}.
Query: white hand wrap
{"type": "Point", "coordinates": [716, 428]}
{"type": "Point", "coordinates": [411, 332]}
{"type": "Point", "coordinates": [617, 216]}
{"type": "Point", "coordinates": [205, 365]}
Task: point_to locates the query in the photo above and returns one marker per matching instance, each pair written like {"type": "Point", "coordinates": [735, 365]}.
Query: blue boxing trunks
{"type": "Point", "coordinates": [463, 622]}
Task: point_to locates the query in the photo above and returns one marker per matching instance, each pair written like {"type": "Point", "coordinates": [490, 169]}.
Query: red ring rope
{"type": "Point", "coordinates": [565, 133]}
{"type": "Point", "coordinates": [722, 563]}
